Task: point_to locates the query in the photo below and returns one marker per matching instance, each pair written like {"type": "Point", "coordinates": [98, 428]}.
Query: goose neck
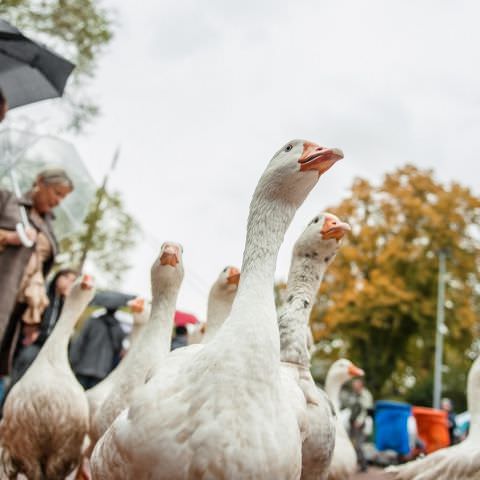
{"type": "Point", "coordinates": [161, 320]}
{"type": "Point", "coordinates": [217, 311]}
{"type": "Point", "coordinates": [303, 282]}
{"type": "Point", "coordinates": [56, 345]}
{"type": "Point", "coordinates": [473, 397]}
{"type": "Point", "coordinates": [332, 388]}
{"type": "Point", "coordinates": [137, 329]}
{"type": "Point", "coordinates": [268, 222]}
{"type": "Point", "coordinates": [252, 321]}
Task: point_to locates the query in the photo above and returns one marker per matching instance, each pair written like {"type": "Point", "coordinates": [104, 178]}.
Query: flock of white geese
{"type": "Point", "coordinates": [241, 404]}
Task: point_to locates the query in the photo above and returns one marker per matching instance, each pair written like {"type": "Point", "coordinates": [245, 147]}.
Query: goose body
{"type": "Point", "coordinates": [344, 461]}
{"type": "Point", "coordinates": [46, 413]}
{"type": "Point", "coordinates": [459, 462]}
{"type": "Point", "coordinates": [226, 414]}
{"type": "Point", "coordinates": [313, 252]}
{"type": "Point", "coordinates": [152, 344]}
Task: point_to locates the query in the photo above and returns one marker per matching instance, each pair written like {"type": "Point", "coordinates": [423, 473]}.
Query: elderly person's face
{"type": "Point", "coordinates": [46, 196]}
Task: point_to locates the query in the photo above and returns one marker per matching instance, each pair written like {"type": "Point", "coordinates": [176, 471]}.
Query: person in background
{"type": "Point", "coordinates": [360, 402]}
{"type": "Point", "coordinates": [23, 270]}
{"type": "Point", "coordinates": [181, 321]}
{"type": "Point", "coordinates": [28, 349]}
{"type": "Point", "coordinates": [180, 339]}
{"type": "Point", "coordinates": [447, 406]}
{"type": "Point", "coordinates": [97, 349]}
{"type": "Point", "coordinates": [3, 106]}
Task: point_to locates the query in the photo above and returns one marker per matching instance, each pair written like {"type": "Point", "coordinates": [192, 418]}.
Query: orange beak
{"type": "Point", "coordinates": [354, 371]}
{"type": "Point", "coordinates": [170, 256]}
{"type": "Point", "coordinates": [87, 282]}
{"type": "Point", "coordinates": [233, 276]}
{"type": "Point", "coordinates": [334, 228]}
{"type": "Point", "coordinates": [137, 305]}
{"type": "Point", "coordinates": [315, 157]}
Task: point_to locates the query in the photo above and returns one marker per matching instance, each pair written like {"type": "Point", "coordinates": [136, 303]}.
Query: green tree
{"type": "Point", "coordinates": [77, 29]}
{"type": "Point", "coordinates": [107, 236]}
{"type": "Point", "coordinates": [377, 303]}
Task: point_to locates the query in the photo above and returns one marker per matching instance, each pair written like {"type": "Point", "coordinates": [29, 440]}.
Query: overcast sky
{"type": "Point", "coordinates": [200, 94]}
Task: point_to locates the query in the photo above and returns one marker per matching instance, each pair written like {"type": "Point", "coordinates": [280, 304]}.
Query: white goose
{"type": "Point", "coordinates": [313, 252]}
{"type": "Point", "coordinates": [153, 344]}
{"type": "Point", "coordinates": [220, 300]}
{"type": "Point", "coordinates": [460, 462]}
{"type": "Point", "coordinates": [219, 305]}
{"type": "Point", "coordinates": [97, 395]}
{"type": "Point", "coordinates": [226, 414]}
{"type": "Point", "coordinates": [344, 461]}
{"type": "Point", "coordinates": [46, 413]}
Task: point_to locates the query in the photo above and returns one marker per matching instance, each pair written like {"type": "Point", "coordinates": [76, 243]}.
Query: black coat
{"type": "Point", "coordinates": [96, 350]}
{"type": "Point", "coordinates": [52, 312]}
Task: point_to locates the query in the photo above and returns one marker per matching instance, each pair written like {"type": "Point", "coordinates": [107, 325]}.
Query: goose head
{"type": "Point", "coordinates": [139, 309]}
{"type": "Point", "coordinates": [322, 238]}
{"type": "Point", "coordinates": [342, 371]}
{"type": "Point", "coordinates": [227, 281]}
{"type": "Point", "coordinates": [137, 305]}
{"type": "Point", "coordinates": [167, 270]}
{"type": "Point", "coordinates": [220, 300]}
{"type": "Point", "coordinates": [295, 169]}
{"type": "Point", "coordinates": [86, 282]}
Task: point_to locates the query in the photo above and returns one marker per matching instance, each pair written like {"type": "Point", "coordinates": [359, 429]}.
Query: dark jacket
{"type": "Point", "coordinates": [25, 356]}
{"type": "Point", "coordinates": [13, 261]}
{"type": "Point", "coordinates": [52, 312]}
{"type": "Point", "coordinates": [180, 339]}
{"type": "Point", "coordinates": [96, 350]}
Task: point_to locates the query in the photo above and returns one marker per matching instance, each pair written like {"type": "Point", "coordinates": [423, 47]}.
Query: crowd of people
{"type": "Point", "coordinates": [29, 307]}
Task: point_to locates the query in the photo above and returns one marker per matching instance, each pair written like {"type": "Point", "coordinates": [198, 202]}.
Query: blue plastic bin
{"type": "Point", "coordinates": [391, 432]}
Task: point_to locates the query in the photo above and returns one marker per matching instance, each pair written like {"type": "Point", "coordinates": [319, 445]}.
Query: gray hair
{"type": "Point", "coordinates": [55, 176]}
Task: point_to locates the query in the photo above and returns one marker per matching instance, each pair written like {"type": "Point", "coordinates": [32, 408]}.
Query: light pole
{"type": "Point", "coordinates": [440, 330]}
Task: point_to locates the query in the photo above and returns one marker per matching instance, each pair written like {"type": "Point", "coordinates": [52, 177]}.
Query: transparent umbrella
{"type": "Point", "coordinates": [23, 155]}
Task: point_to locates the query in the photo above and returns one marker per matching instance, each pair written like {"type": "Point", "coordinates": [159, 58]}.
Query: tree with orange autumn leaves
{"type": "Point", "coordinates": [377, 304]}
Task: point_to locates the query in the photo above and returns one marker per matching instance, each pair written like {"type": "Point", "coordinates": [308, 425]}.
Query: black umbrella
{"type": "Point", "coordinates": [29, 72]}
{"type": "Point", "coordinates": [111, 300]}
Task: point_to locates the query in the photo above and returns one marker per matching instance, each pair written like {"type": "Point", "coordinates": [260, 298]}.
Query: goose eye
{"type": "Point", "coordinates": [225, 270]}
{"type": "Point", "coordinates": [288, 147]}
{"type": "Point", "coordinates": [315, 220]}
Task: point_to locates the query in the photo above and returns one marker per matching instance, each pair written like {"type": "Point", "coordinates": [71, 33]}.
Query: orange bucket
{"type": "Point", "coordinates": [432, 425]}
